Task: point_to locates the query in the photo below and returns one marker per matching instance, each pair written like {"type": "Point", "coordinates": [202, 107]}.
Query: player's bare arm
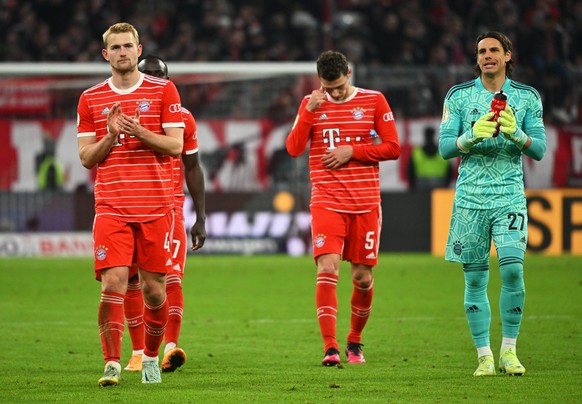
{"type": "Point", "coordinates": [195, 182]}
{"type": "Point", "coordinates": [170, 144]}
{"type": "Point", "coordinates": [335, 158]}
{"type": "Point", "coordinates": [91, 151]}
{"type": "Point", "coordinates": [317, 98]}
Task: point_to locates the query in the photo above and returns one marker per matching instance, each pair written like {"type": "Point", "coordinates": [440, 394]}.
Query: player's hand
{"type": "Point", "coordinates": [113, 120]}
{"type": "Point", "coordinates": [317, 98]}
{"type": "Point", "coordinates": [481, 130]}
{"type": "Point", "coordinates": [484, 128]}
{"type": "Point", "coordinates": [130, 125]}
{"type": "Point", "coordinates": [507, 124]}
{"type": "Point", "coordinates": [337, 157]}
{"type": "Point", "coordinates": [198, 233]}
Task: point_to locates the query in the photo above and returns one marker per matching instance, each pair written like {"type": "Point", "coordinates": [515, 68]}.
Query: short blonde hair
{"type": "Point", "coordinates": [120, 28]}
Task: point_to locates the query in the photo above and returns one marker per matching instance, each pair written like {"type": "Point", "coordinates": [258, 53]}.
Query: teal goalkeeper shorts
{"type": "Point", "coordinates": [471, 232]}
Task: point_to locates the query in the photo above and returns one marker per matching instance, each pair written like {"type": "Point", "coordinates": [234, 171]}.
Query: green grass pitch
{"type": "Point", "coordinates": [251, 335]}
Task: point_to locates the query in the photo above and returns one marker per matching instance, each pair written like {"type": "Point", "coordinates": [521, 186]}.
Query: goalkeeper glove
{"type": "Point", "coordinates": [482, 129]}
{"type": "Point", "coordinates": [509, 128]}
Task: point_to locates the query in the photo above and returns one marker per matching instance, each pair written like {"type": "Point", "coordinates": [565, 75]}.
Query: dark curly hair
{"type": "Point", "coordinates": [331, 65]}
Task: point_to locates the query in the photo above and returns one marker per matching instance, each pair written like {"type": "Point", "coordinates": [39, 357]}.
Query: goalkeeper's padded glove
{"type": "Point", "coordinates": [482, 129]}
{"type": "Point", "coordinates": [508, 127]}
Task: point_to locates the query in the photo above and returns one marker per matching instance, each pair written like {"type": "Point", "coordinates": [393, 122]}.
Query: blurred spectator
{"type": "Point", "coordinates": [426, 168]}
{"type": "Point", "coordinates": [547, 34]}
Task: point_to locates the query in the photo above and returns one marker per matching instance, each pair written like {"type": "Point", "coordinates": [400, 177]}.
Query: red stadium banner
{"type": "Point", "coordinates": [241, 155]}
{"type": "Point", "coordinates": [24, 96]}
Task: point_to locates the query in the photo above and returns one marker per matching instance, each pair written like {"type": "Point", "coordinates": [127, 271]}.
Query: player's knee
{"type": "Point", "coordinates": [364, 282]}
{"type": "Point", "coordinates": [328, 263]}
{"type": "Point", "coordinates": [511, 274]}
{"type": "Point", "coordinates": [476, 279]}
{"type": "Point", "coordinates": [154, 297]}
{"type": "Point", "coordinates": [362, 277]}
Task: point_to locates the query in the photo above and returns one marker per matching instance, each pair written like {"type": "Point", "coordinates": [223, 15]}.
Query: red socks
{"type": "Point", "coordinates": [155, 319]}
{"type": "Point", "coordinates": [176, 309]}
{"type": "Point", "coordinates": [110, 320]}
{"type": "Point", "coordinates": [133, 307]}
{"type": "Point", "coordinates": [326, 303]}
{"type": "Point", "coordinates": [361, 307]}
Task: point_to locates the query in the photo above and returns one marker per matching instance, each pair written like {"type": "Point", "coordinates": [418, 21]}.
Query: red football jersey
{"type": "Point", "coordinates": [190, 147]}
{"type": "Point", "coordinates": [354, 187]}
{"type": "Point", "coordinates": [133, 182]}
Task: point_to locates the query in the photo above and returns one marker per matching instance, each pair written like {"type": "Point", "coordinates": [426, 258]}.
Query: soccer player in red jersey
{"type": "Point", "coordinates": [174, 357]}
{"type": "Point", "coordinates": [130, 127]}
{"type": "Point", "coordinates": [350, 130]}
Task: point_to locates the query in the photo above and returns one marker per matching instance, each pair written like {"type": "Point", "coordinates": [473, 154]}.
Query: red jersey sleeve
{"type": "Point", "coordinates": [299, 136]}
{"type": "Point", "coordinates": [190, 133]}
{"type": "Point", "coordinates": [171, 107]}
{"type": "Point", "coordinates": [85, 121]}
{"type": "Point", "coordinates": [385, 126]}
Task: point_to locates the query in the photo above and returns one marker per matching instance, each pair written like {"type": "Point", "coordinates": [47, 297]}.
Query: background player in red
{"type": "Point", "coordinates": [351, 130]}
{"type": "Point", "coordinates": [130, 126]}
{"type": "Point", "coordinates": [174, 357]}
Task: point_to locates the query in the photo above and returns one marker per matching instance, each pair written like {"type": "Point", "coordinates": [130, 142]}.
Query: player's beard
{"type": "Point", "coordinates": [125, 69]}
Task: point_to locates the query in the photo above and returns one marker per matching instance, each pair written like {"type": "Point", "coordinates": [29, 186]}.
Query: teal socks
{"type": "Point", "coordinates": [476, 302]}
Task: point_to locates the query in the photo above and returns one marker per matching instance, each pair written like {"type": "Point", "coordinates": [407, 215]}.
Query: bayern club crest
{"type": "Point", "coordinates": [143, 106]}
{"type": "Point", "coordinates": [101, 252]}
{"type": "Point", "coordinates": [319, 240]}
{"type": "Point", "coordinates": [358, 113]}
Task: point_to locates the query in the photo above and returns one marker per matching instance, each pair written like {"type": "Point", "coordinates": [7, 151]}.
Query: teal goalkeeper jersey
{"type": "Point", "coordinates": [491, 173]}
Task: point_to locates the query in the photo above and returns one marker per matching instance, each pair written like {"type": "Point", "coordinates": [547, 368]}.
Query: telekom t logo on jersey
{"type": "Point", "coordinates": [332, 138]}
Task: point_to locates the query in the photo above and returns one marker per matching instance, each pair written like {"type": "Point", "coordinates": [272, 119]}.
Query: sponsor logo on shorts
{"type": "Point", "coordinates": [371, 256]}
{"type": "Point", "coordinates": [169, 262]}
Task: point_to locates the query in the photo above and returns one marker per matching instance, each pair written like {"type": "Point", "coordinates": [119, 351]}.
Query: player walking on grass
{"type": "Point", "coordinates": [130, 126]}
{"type": "Point", "coordinates": [490, 199]}
{"type": "Point", "coordinates": [174, 357]}
{"type": "Point", "coordinates": [344, 124]}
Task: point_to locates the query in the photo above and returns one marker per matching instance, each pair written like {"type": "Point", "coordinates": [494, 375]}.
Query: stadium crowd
{"type": "Point", "coordinates": [547, 34]}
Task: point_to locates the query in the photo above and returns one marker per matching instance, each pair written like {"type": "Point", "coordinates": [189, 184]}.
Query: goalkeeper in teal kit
{"type": "Point", "coordinates": [490, 201]}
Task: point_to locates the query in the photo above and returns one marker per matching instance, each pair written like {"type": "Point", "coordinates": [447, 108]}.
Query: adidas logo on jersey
{"type": "Point", "coordinates": [371, 256]}
{"type": "Point", "coordinates": [105, 111]}
{"type": "Point", "coordinates": [475, 111]}
{"type": "Point", "coordinates": [169, 262]}
{"type": "Point", "coordinates": [322, 117]}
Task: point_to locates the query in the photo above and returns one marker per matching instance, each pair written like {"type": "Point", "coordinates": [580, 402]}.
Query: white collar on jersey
{"type": "Point", "coordinates": [352, 95]}
{"type": "Point", "coordinates": [126, 90]}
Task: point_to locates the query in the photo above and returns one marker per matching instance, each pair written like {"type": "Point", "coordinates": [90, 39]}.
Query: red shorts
{"type": "Point", "coordinates": [355, 237]}
{"type": "Point", "coordinates": [179, 247]}
{"type": "Point", "coordinates": [178, 250]}
{"type": "Point", "coordinates": [119, 244]}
